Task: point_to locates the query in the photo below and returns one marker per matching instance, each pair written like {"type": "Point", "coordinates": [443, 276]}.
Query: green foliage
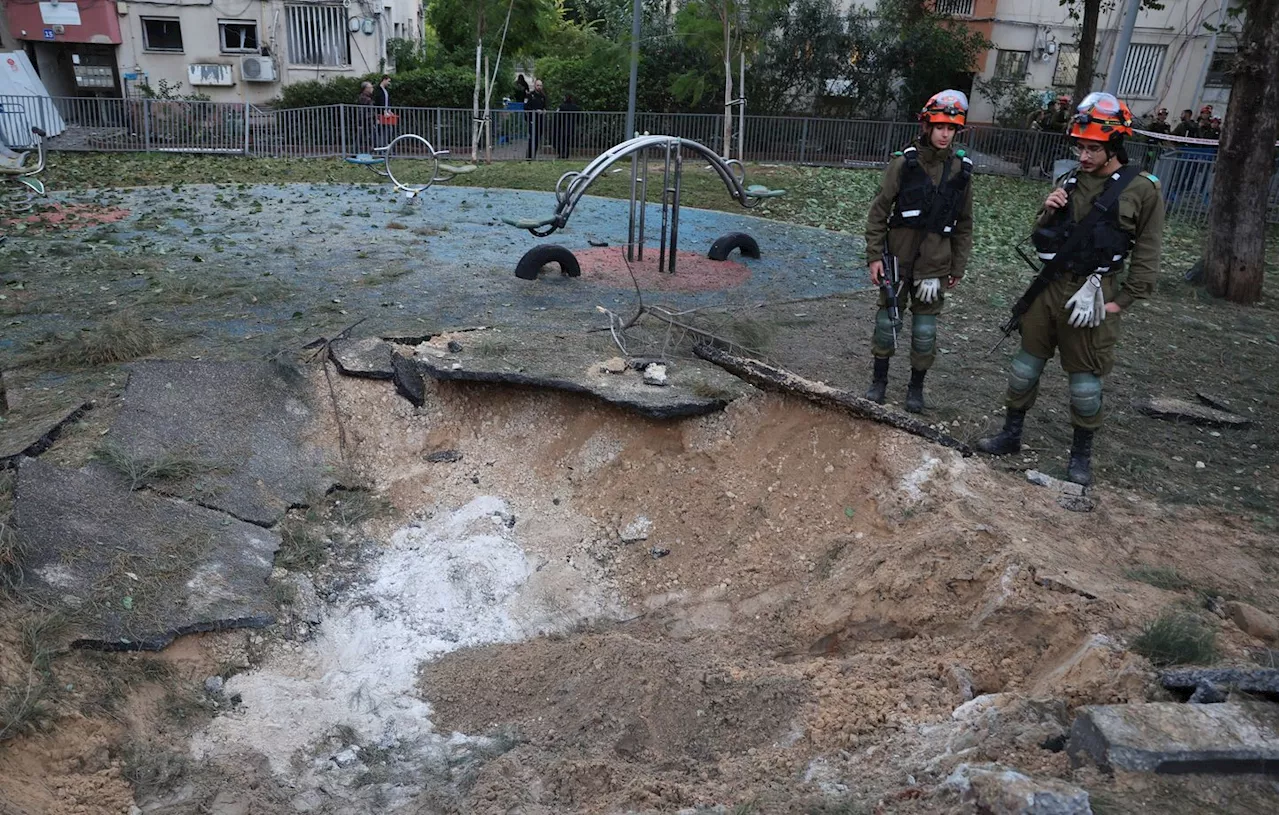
{"type": "Point", "coordinates": [1014, 102]}
{"type": "Point", "coordinates": [1176, 638]}
{"type": "Point", "coordinates": [597, 78]}
{"type": "Point", "coordinates": [458, 23]}
{"type": "Point", "coordinates": [806, 44]}
{"type": "Point", "coordinates": [413, 55]}
{"type": "Point", "coordinates": [446, 86]}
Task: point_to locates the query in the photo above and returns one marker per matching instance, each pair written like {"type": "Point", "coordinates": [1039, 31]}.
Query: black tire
{"type": "Point", "coordinates": [741, 241]}
{"type": "Point", "coordinates": [539, 256]}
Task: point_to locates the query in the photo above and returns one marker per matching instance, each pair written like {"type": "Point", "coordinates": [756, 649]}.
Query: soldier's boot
{"type": "Point", "coordinates": [915, 391]}
{"type": "Point", "coordinates": [879, 380]}
{"type": "Point", "coordinates": [1009, 439]}
{"type": "Point", "coordinates": [1079, 467]}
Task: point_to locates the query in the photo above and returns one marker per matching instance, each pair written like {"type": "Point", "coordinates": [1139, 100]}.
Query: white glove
{"type": "Point", "coordinates": [1087, 308]}
{"type": "Point", "coordinates": [927, 290]}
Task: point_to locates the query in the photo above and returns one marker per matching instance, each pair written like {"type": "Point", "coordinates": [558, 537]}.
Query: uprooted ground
{"type": "Point", "coordinates": [812, 599]}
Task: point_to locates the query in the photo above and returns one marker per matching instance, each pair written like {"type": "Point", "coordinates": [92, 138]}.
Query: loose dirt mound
{"type": "Point", "coordinates": [776, 606]}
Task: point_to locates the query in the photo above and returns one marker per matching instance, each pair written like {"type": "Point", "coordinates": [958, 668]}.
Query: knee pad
{"type": "Point", "coordinates": [883, 336]}
{"type": "Point", "coordinates": [1025, 372]}
{"type": "Point", "coordinates": [1086, 393]}
{"type": "Point", "coordinates": [924, 333]}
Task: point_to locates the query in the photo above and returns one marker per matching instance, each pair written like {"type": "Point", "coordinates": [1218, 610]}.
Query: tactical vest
{"type": "Point", "coordinates": [1104, 249]}
{"type": "Point", "coordinates": [920, 204]}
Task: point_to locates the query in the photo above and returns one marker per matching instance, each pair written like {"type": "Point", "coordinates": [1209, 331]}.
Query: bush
{"type": "Point", "coordinates": [597, 82]}
{"type": "Point", "coordinates": [444, 86]}
{"type": "Point", "coordinates": [1013, 101]}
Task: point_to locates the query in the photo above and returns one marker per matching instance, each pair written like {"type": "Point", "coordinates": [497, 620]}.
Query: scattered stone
{"type": "Point", "coordinates": [1077, 503]}
{"type": "Point", "coordinates": [1065, 582]}
{"type": "Point", "coordinates": [245, 427]}
{"type": "Point", "coordinates": [1213, 401]}
{"type": "Point", "coordinates": [1178, 410]}
{"type": "Point", "coordinates": [213, 685]}
{"type": "Point", "coordinates": [1056, 484]}
{"type": "Point", "coordinates": [444, 457]}
{"type": "Point", "coordinates": [614, 365]}
{"type": "Point", "coordinates": [369, 358]}
{"type": "Point", "coordinates": [637, 530]}
{"type": "Point", "coordinates": [1252, 621]}
{"type": "Point", "coordinates": [454, 346]}
{"type": "Point", "coordinates": [347, 756]}
{"type": "Point", "coordinates": [599, 244]}
{"type": "Point", "coordinates": [962, 682]}
{"type": "Point", "coordinates": [408, 379]}
{"type": "Point", "coordinates": [305, 606]}
{"type": "Point", "coordinates": [996, 789]}
{"type": "Point", "coordinates": [185, 568]}
{"type": "Point", "coordinates": [1167, 737]}
{"type": "Point", "coordinates": [658, 552]}
{"type": "Point", "coordinates": [655, 374]}
{"type": "Point", "coordinates": [1218, 682]}
{"type": "Point", "coordinates": [29, 428]}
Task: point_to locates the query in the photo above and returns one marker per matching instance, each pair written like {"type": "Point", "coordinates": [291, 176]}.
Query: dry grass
{"type": "Point", "coordinates": [120, 338]}
{"type": "Point", "coordinates": [1176, 638]}
{"type": "Point", "coordinates": [143, 471]}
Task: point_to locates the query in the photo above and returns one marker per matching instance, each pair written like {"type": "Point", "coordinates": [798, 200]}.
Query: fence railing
{"type": "Point", "coordinates": [150, 125]}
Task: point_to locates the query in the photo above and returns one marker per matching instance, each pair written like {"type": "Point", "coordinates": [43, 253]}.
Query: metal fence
{"type": "Point", "coordinates": [151, 125]}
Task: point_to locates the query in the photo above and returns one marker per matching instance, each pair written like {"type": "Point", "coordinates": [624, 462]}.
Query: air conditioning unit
{"type": "Point", "coordinates": [258, 69]}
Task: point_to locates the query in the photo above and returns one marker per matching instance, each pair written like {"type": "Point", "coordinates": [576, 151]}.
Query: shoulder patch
{"type": "Point", "coordinates": [960, 153]}
{"type": "Point", "coordinates": [897, 152]}
{"type": "Point", "coordinates": [1152, 178]}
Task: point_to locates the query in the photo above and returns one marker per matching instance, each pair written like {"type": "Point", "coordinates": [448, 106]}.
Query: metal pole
{"type": "Point", "coordinates": [1122, 46]}
{"type": "Point", "coordinates": [1208, 56]}
{"type": "Point", "coordinates": [742, 102]}
{"type": "Point", "coordinates": [631, 217]}
{"type": "Point", "coordinates": [644, 201]}
{"type": "Point", "coordinates": [635, 66]}
{"type": "Point", "coordinates": [666, 192]}
{"type": "Point", "coordinates": [675, 209]}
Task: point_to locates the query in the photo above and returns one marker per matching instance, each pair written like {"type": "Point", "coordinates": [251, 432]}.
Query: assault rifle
{"type": "Point", "coordinates": [891, 287]}
{"type": "Point", "coordinates": [1044, 276]}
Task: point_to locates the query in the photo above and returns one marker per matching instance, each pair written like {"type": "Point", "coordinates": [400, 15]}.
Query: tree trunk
{"type": "Point", "coordinates": [475, 109]}
{"type": "Point", "coordinates": [1236, 248]}
{"type": "Point", "coordinates": [728, 85]}
{"type": "Point", "coordinates": [1088, 51]}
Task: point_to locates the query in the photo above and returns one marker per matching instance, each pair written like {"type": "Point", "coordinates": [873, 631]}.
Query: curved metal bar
{"type": "Point", "coordinates": [411, 190]}
{"type": "Point", "coordinates": [21, 169]}
{"type": "Point", "coordinates": [573, 185]}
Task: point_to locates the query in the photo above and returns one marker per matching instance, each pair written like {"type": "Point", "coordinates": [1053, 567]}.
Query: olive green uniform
{"type": "Point", "coordinates": [921, 254]}
{"type": "Point", "coordinates": [1059, 120]}
{"type": "Point", "coordinates": [1087, 354]}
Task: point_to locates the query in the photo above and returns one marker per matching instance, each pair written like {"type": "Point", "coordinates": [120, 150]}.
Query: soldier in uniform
{"type": "Point", "coordinates": [1078, 313]}
{"type": "Point", "coordinates": [1062, 116]}
{"type": "Point", "coordinates": [1186, 126]}
{"type": "Point", "coordinates": [1159, 124]}
{"type": "Point", "coordinates": [923, 216]}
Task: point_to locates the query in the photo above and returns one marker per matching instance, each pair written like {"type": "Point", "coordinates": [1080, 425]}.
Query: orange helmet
{"type": "Point", "coordinates": [1101, 117]}
{"type": "Point", "coordinates": [945, 107]}
{"type": "Point", "coordinates": [1064, 98]}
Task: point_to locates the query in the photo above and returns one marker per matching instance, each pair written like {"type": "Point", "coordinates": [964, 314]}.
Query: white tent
{"type": "Point", "coordinates": [24, 102]}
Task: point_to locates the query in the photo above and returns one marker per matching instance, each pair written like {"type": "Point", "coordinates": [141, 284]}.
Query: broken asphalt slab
{"type": "Point", "coordinates": [369, 357]}
{"type": "Point", "coordinates": [244, 426]}
{"type": "Point", "coordinates": [1168, 737]}
{"type": "Point", "coordinates": [29, 429]}
{"type": "Point", "coordinates": [996, 788]}
{"type": "Point", "coordinates": [576, 363]}
{"type": "Point", "coordinates": [134, 570]}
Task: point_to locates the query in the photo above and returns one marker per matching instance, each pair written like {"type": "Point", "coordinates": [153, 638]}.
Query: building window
{"type": "Point", "coordinates": [318, 35]}
{"type": "Point", "coordinates": [1064, 74]}
{"type": "Point", "coordinates": [954, 8]}
{"type": "Point", "coordinates": [238, 36]}
{"type": "Point", "coordinates": [161, 34]}
{"type": "Point", "coordinates": [1221, 70]}
{"type": "Point", "coordinates": [1011, 64]}
{"type": "Point", "coordinates": [1141, 70]}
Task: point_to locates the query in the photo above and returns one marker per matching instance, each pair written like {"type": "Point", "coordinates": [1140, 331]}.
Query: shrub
{"type": "Point", "coordinates": [444, 86]}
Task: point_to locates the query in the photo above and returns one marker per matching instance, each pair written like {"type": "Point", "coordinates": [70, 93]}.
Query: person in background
{"type": "Point", "coordinates": [535, 107]}
{"type": "Point", "coordinates": [1215, 129]}
{"type": "Point", "coordinates": [382, 100]}
{"type": "Point", "coordinates": [1160, 122]}
{"type": "Point", "coordinates": [566, 123]}
{"type": "Point", "coordinates": [1186, 126]}
{"type": "Point", "coordinates": [522, 89]}
{"type": "Point", "coordinates": [366, 119]}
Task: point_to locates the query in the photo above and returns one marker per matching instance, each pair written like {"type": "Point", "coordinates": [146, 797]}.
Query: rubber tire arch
{"type": "Point", "coordinates": [741, 241]}
{"type": "Point", "coordinates": [539, 256]}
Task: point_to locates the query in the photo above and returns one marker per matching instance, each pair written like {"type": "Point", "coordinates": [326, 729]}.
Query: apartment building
{"type": "Point", "coordinates": [227, 50]}
{"type": "Point", "coordinates": [1173, 61]}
